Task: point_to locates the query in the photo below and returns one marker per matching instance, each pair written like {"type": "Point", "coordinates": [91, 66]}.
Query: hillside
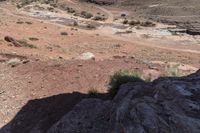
{"type": "Point", "coordinates": [165, 105]}
{"type": "Point", "coordinates": [57, 55]}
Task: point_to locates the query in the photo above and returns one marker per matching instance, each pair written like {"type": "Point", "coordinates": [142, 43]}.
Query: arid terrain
{"type": "Point", "coordinates": [50, 48]}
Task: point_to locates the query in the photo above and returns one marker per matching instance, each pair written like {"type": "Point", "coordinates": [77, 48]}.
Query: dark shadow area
{"type": "Point", "coordinates": [41, 114]}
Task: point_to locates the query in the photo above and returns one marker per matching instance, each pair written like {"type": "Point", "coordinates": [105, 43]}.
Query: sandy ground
{"type": "Point", "coordinates": [54, 66]}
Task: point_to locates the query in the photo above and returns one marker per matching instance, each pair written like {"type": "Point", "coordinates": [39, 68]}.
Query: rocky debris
{"type": "Point", "coordinates": [13, 41]}
{"type": "Point", "coordinates": [176, 31]}
{"type": "Point", "coordinates": [166, 105]}
{"type": "Point", "coordinates": [192, 28]}
{"type": "Point", "coordinates": [14, 62]}
{"type": "Point", "coordinates": [22, 3]}
{"type": "Point", "coordinates": [18, 43]}
{"type": "Point", "coordinates": [193, 31]}
{"type": "Point", "coordinates": [87, 56]}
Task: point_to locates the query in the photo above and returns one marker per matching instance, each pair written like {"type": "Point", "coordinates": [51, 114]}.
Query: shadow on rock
{"type": "Point", "coordinates": [38, 115]}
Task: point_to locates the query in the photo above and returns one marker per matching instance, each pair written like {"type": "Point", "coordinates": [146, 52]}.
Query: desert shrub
{"type": "Point", "coordinates": [51, 9]}
{"type": "Point", "coordinates": [149, 78]}
{"type": "Point", "coordinates": [27, 2]}
{"type": "Point", "coordinates": [71, 10]}
{"type": "Point", "coordinates": [93, 93]}
{"type": "Point", "coordinates": [64, 33]}
{"type": "Point", "coordinates": [75, 23]}
{"type": "Point", "coordinates": [172, 71]}
{"type": "Point", "coordinates": [28, 22]}
{"type": "Point", "coordinates": [123, 15]}
{"type": "Point", "coordinates": [19, 22]}
{"type": "Point", "coordinates": [66, 8]}
{"type": "Point", "coordinates": [33, 39]}
{"type": "Point", "coordinates": [120, 78]}
{"type": "Point", "coordinates": [145, 36]}
{"type": "Point", "coordinates": [76, 14]}
{"type": "Point", "coordinates": [133, 22]}
{"type": "Point", "coordinates": [24, 43]}
{"type": "Point", "coordinates": [129, 31]}
{"type": "Point", "coordinates": [125, 21]}
{"type": "Point", "coordinates": [86, 14]}
{"type": "Point", "coordinates": [99, 18]}
{"type": "Point", "coordinates": [138, 27]}
{"type": "Point", "coordinates": [148, 24]}
{"type": "Point", "coordinates": [53, 5]}
{"type": "Point", "coordinates": [91, 26]}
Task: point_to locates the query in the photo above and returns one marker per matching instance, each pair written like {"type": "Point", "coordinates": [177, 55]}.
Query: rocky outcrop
{"type": "Point", "coordinates": [167, 105]}
{"type": "Point", "coordinates": [13, 41]}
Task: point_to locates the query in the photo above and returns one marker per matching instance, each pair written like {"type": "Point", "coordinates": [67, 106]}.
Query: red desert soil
{"type": "Point", "coordinates": [54, 66]}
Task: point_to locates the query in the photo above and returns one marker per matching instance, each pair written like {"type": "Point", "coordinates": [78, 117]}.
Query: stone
{"type": "Point", "coordinates": [166, 105]}
{"type": "Point", "coordinates": [87, 56]}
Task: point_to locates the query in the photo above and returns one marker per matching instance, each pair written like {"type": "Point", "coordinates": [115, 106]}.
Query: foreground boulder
{"type": "Point", "coordinates": [167, 105]}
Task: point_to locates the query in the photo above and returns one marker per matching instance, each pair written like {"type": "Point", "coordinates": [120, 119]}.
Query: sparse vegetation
{"type": "Point", "coordinates": [148, 24]}
{"type": "Point", "coordinates": [149, 78]}
{"type": "Point", "coordinates": [91, 26]}
{"type": "Point", "coordinates": [125, 21]}
{"type": "Point", "coordinates": [66, 8]}
{"type": "Point", "coordinates": [19, 22]}
{"type": "Point", "coordinates": [138, 23]}
{"type": "Point", "coordinates": [124, 32]}
{"type": "Point", "coordinates": [93, 93]}
{"type": "Point", "coordinates": [33, 39]}
{"type": "Point", "coordinates": [123, 15]}
{"type": "Point", "coordinates": [51, 9]}
{"type": "Point", "coordinates": [99, 18]}
{"type": "Point", "coordinates": [24, 43]}
{"type": "Point", "coordinates": [27, 2]}
{"type": "Point", "coordinates": [18, 43]}
{"type": "Point", "coordinates": [145, 36]}
{"type": "Point", "coordinates": [75, 23]}
{"type": "Point", "coordinates": [86, 15]}
{"type": "Point", "coordinates": [64, 33]}
{"type": "Point", "coordinates": [134, 23]}
{"type": "Point", "coordinates": [120, 78]}
{"type": "Point", "coordinates": [172, 71]}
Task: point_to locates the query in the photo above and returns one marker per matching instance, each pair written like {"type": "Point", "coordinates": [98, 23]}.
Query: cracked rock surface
{"type": "Point", "coordinates": [167, 105]}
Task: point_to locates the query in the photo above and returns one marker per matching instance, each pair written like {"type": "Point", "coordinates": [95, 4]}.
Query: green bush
{"type": "Point", "coordinates": [122, 77]}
